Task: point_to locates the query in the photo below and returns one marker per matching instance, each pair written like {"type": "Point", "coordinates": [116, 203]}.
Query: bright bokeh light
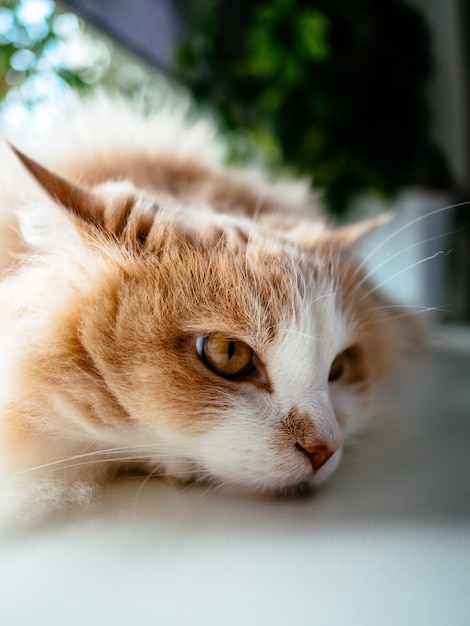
{"type": "Point", "coordinates": [50, 54]}
{"type": "Point", "coordinates": [32, 12]}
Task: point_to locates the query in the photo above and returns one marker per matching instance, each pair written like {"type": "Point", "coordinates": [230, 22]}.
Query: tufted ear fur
{"type": "Point", "coordinates": [353, 234]}
{"type": "Point", "coordinates": [81, 202]}
{"type": "Point", "coordinates": [41, 226]}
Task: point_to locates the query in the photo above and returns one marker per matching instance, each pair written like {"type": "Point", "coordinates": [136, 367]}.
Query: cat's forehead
{"type": "Point", "coordinates": [247, 277]}
{"type": "Point", "coordinates": [243, 280]}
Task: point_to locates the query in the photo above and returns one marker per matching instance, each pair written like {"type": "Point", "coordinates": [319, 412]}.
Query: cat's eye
{"type": "Point", "coordinates": [224, 356]}
{"type": "Point", "coordinates": [349, 366]}
{"type": "Point", "coordinates": [337, 368]}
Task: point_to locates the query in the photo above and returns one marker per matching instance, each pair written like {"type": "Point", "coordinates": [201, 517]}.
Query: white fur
{"type": "Point", "coordinates": [238, 449]}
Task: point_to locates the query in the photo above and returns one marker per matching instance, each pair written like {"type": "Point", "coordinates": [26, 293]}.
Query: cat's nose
{"type": "Point", "coordinates": [317, 453]}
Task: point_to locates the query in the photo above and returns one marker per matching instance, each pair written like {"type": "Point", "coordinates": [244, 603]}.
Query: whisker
{"type": "Point", "coordinates": [94, 457]}
{"type": "Point", "coordinates": [211, 490]}
{"type": "Point", "coordinates": [375, 268]}
{"type": "Point", "coordinates": [420, 312]}
{"type": "Point", "coordinates": [132, 459]}
{"type": "Point", "coordinates": [402, 271]}
{"type": "Point", "coordinates": [195, 482]}
{"type": "Point", "coordinates": [399, 230]}
{"type": "Point", "coordinates": [159, 472]}
{"type": "Point", "coordinates": [408, 306]}
{"type": "Point", "coordinates": [62, 464]}
{"type": "Point", "coordinates": [326, 295]}
{"type": "Point", "coordinates": [142, 486]}
{"type": "Point", "coordinates": [94, 453]}
{"type": "Point", "coordinates": [293, 331]}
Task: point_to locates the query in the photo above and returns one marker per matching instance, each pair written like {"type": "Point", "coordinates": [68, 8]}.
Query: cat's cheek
{"type": "Point", "coordinates": [352, 409]}
{"type": "Point", "coordinates": [259, 463]}
{"type": "Point", "coordinates": [285, 477]}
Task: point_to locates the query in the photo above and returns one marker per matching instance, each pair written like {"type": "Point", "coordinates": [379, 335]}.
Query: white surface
{"type": "Point", "coordinates": [387, 541]}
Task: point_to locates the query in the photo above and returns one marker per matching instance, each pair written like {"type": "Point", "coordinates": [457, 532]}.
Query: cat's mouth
{"type": "Point", "coordinates": [187, 472]}
{"type": "Point", "coordinates": [289, 487]}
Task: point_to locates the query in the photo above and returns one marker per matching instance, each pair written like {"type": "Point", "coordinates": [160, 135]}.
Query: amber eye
{"type": "Point", "coordinates": [226, 357]}
{"type": "Point", "coordinates": [337, 368]}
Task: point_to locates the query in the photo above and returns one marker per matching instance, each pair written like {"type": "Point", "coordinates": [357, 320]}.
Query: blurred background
{"type": "Point", "coordinates": [367, 99]}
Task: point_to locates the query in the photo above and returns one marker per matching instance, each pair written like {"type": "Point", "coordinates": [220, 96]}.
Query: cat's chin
{"type": "Point", "coordinates": [300, 489]}
{"type": "Point", "coordinates": [286, 487]}
{"type": "Point", "coordinates": [304, 486]}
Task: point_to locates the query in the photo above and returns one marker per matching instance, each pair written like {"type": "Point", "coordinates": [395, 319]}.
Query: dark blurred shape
{"type": "Point", "coordinates": [150, 28]}
{"type": "Point", "coordinates": [334, 88]}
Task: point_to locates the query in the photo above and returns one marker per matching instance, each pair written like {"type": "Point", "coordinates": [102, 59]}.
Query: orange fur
{"type": "Point", "coordinates": [132, 254]}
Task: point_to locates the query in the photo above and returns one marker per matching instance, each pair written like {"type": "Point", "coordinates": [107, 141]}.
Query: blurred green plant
{"type": "Point", "coordinates": [335, 88]}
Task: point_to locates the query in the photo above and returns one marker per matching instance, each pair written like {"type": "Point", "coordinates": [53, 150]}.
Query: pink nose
{"type": "Point", "coordinates": [317, 454]}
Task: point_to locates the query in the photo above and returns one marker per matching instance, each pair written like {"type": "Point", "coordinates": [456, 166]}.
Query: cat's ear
{"type": "Point", "coordinates": [353, 234]}
{"type": "Point", "coordinates": [64, 219]}
{"type": "Point", "coordinates": [81, 202]}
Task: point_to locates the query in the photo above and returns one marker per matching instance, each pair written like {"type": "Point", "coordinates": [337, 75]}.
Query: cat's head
{"type": "Point", "coordinates": [224, 346]}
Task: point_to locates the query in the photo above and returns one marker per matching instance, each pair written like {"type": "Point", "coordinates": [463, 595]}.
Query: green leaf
{"type": "Point", "coordinates": [312, 29]}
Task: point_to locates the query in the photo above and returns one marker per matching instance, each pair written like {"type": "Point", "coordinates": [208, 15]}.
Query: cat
{"type": "Point", "coordinates": [164, 312]}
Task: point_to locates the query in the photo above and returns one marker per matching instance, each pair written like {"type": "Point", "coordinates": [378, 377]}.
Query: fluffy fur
{"type": "Point", "coordinates": [134, 242]}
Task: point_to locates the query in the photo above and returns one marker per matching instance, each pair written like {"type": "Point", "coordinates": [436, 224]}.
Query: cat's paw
{"type": "Point", "coordinates": [25, 502]}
